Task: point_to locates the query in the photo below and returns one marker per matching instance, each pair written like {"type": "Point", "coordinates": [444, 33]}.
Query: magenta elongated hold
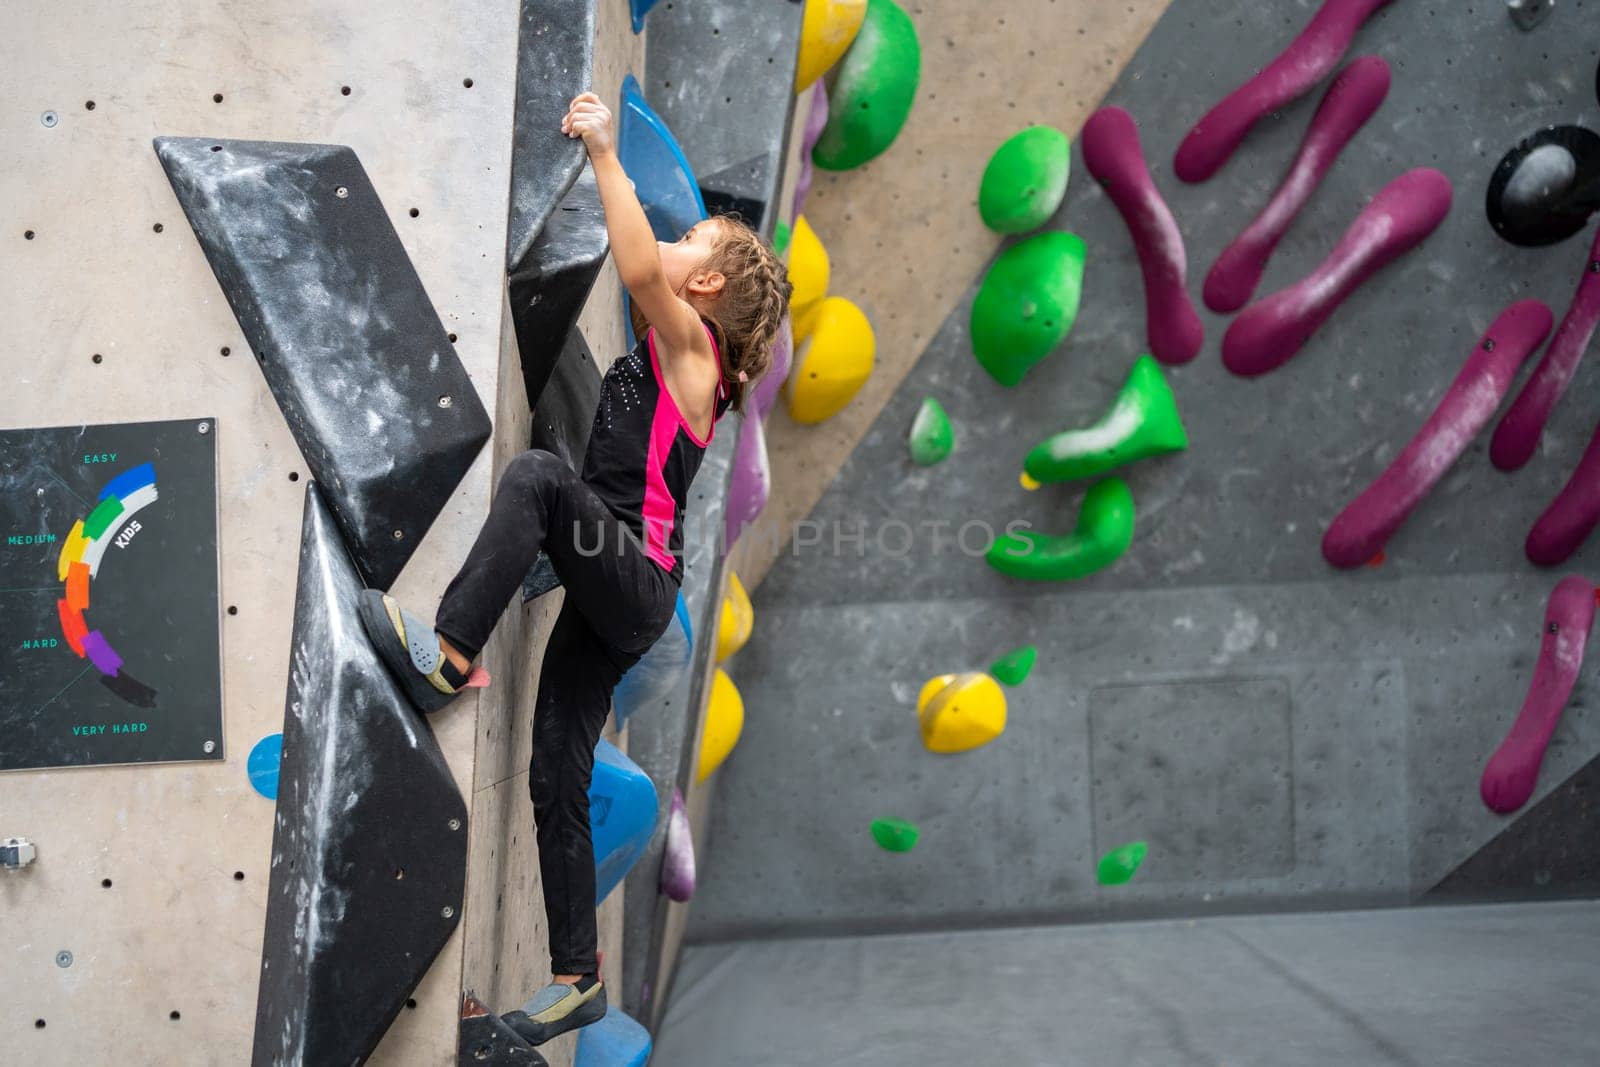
{"type": "Point", "coordinates": [1350, 101]}
{"type": "Point", "coordinates": [1513, 770]}
{"type": "Point", "coordinates": [677, 859]}
{"type": "Point", "coordinates": [1572, 515]}
{"type": "Point", "coordinates": [751, 484]}
{"type": "Point", "coordinates": [765, 393]}
{"type": "Point", "coordinates": [1366, 524]}
{"type": "Point", "coordinates": [1269, 332]}
{"type": "Point", "coordinates": [1309, 58]}
{"type": "Point", "coordinates": [1517, 436]}
{"type": "Point", "coordinates": [816, 121]}
{"type": "Point", "coordinates": [1112, 153]}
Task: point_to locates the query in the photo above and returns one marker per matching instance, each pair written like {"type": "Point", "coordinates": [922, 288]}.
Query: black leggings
{"type": "Point", "coordinates": [617, 603]}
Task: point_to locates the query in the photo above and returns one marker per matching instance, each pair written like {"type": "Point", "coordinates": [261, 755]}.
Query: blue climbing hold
{"type": "Point", "coordinates": [653, 678]}
{"type": "Point", "coordinates": [622, 816]}
{"type": "Point", "coordinates": [617, 1040]}
{"type": "Point", "coordinates": [641, 8]}
{"type": "Point", "coordinates": [262, 766]}
{"type": "Point", "coordinates": [660, 172]}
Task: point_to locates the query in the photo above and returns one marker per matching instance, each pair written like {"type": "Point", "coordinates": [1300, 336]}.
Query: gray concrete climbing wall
{"type": "Point", "coordinates": [1282, 735]}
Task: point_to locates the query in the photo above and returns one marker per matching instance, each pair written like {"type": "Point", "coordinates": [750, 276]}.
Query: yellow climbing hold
{"type": "Point", "coordinates": [738, 617]}
{"type": "Point", "coordinates": [825, 33]}
{"type": "Point", "coordinates": [724, 721]}
{"type": "Point", "coordinates": [961, 711]}
{"type": "Point", "coordinates": [834, 363]}
{"type": "Point", "coordinates": [1028, 483]}
{"type": "Point", "coordinates": [808, 272]}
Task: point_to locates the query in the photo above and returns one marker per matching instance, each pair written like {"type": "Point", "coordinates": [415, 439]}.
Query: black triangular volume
{"type": "Point", "coordinates": [550, 286]}
{"type": "Point", "coordinates": [351, 347]}
{"type": "Point", "coordinates": [1548, 853]}
{"type": "Point", "coordinates": [485, 1039]}
{"type": "Point", "coordinates": [369, 846]}
{"type": "Point", "coordinates": [745, 187]}
{"type": "Point", "coordinates": [566, 412]}
{"type": "Point", "coordinates": [555, 62]}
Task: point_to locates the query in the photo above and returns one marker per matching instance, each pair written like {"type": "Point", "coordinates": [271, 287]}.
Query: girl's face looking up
{"type": "Point", "coordinates": [683, 261]}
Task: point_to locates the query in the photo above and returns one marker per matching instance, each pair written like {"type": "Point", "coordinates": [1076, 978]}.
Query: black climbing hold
{"type": "Point", "coordinates": [555, 62]}
{"type": "Point", "coordinates": [1546, 188]}
{"type": "Point", "coordinates": [746, 187]}
{"type": "Point", "coordinates": [561, 424]}
{"type": "Point", "coordinates": [350, 344]}
{"type": "Point", "coordinates": [550, 285]}
{"type": "Point", "coordinates": [363, 792]}
{"type": "Point", "coordinates": [486, 1039]}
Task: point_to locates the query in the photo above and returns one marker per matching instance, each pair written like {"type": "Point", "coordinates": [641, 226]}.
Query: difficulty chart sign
{"type": "Point", "coordinates": [109, 643]}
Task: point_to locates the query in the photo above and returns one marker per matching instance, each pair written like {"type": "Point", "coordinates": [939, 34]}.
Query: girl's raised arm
{"type": "Point", "coordinates": [633, 245]}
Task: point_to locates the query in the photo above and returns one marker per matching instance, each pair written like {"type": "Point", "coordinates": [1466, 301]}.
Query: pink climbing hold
{"type": "Point", "coordinates": [1520, 428]}
{"type": "Point", "coordinates": [1350, 101]}
{"type": "Point", "coordinates": [1112, 153]}
{"type": "Point", "coordinates": [1269, 332]}
{"type": "Point", "coordinates": [1309, 58]}
{"type": "Point", "coordinates": [1513, 771]}
{"type": "Point", "coordinates": [1366, 524]}
{"type": "Point", "coordinates": [1572, 515]}
{"type": "Point", "coordinates": [677, 860]}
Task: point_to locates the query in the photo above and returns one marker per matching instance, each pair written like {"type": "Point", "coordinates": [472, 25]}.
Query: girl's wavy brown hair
{"type": "Point", "coordinates": [747, 313]}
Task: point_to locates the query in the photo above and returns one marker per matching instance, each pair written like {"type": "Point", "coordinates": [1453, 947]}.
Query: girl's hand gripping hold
{"type": "Point", "coordinates": [588, 117]}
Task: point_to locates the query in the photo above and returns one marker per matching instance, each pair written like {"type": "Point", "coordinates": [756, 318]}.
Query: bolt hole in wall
{"type": "Point", "coordinates": [174, 1015]}
{"type": "Point", "coordinates": [227, 351]}
{"type": "Point", "coordinates": [88, 105]}
{"type": "Point", "coordinates": [414, 212]}
{"type": "Point", "coordinates": [216, 98]}
{"type": "Point", "coordinates": [467, 82]}
{"type": "Point", "coordinates": [105, 883]}
{"type": "Point", "coordinates": [344, 90]}
{"type": "Point", "coordinates": [294, 476]}
{"type": "Point", "coordinates": [233, 609]}
{"type": "Point", "coordinates": [27, 235]}
{"type": "Point", "coordinates": [96, 358]}
{"type": "Point", "coordinates": [238, 876]}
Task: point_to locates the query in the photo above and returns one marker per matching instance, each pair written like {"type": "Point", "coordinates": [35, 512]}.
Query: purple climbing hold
{"type": "Point", "coordinates": [751, 482]}
{"type": "Point", "coordinates": [816, 119]}
{"type": "Point", "coordinates": [677, 863]}
{"type": "Point", "coordinates": [765, 394]}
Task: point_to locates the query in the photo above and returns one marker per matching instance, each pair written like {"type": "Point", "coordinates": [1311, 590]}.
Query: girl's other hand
{"type": "Point", "coordinates": [589, 118]}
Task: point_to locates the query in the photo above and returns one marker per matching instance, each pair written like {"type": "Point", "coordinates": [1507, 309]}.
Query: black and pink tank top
{"type": "Point", "coordinates": [642, 455]}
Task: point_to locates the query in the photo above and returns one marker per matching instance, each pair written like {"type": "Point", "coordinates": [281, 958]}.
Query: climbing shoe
{"type": "Point", "coordinates": [557, 1008]}
{"type": "Point", "coordinates": [410, 649]}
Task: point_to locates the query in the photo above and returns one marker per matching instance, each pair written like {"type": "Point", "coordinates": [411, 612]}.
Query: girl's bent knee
{"type": "Point", "coordinates": [534, 469]}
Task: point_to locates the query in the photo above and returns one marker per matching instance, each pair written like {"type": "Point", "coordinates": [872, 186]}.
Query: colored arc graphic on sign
{"type": "Point", "coordinates": [79, 562]}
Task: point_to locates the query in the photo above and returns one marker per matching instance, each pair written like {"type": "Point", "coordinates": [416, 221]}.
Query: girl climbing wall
{"type": "Point", "coordinates": [707, 308]}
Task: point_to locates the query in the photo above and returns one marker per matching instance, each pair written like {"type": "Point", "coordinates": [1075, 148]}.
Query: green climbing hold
{"type": "Point", "coordinates": [1013, 667]}
{"type": "Point", "coordinates": [876, 85]}
{"type": "Point", "coordinates": [780, 237]}
{"type": "Point", "coordinates": [895, 835]}
{"type": "Point", "coordinates": [1103, 533]}
{"type": "Point", "coordinates": [1025, 180]}
{"type": "Point", "coordinates": [932, 437]}
{"type": "Point", "coordinates": [1143, 421]}
{"type": "Point", "coordinates": [1027, 303]}
{"type": "Point", "coordinates": [1118, 866]}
